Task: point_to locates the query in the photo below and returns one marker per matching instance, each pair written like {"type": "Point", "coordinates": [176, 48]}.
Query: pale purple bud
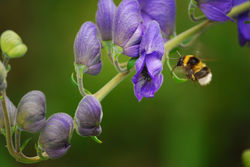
{"type": "Point", "coordinates": [105, 18]}
{"type": "Point", "coordinates": [56, 135]}
{"type": "Point", "coordinates": [87, 48]}
{"type": "Point", "coordinates": [11, 111]}
{"type": "Point", "coordinates": [31, 111]}
{"type": "Point", "coordinates": [88, 116]}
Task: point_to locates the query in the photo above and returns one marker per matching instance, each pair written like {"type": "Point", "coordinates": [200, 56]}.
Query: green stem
{"type": "Point", "coordinates": [104, 91]}
{"type": "Point", "coordinates": [80, 70]}
{"type": "Point", "coordinates": [17, 139]}
{"type": "Point", "coordinates": [169, 45]}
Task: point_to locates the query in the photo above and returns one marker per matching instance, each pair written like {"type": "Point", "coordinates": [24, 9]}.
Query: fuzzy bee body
{"type": "Point", "coordinates": [195, 69]}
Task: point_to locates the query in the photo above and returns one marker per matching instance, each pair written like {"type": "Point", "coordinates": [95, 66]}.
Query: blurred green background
{"type": "Point", "coordinates": [183, 126]}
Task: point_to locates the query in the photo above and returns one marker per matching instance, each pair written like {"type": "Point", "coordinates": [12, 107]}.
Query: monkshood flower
{"type": "Point", "coordinates": [216, 10]}
{"type": "Point", "coordinates": [127, 32]}
{"type": "Point", "coordinates": [87, 48]}
{"type": "Point", "coordinates": [105, 17]}
{"type": "Point", "coordinates": [56, 135]}
{"type": "Point", "coordinates": [243, 24]}
{"type": "Point", "coordinates": [148, 78]}
{"type": "Point", "coordinates": [31, 111]}
{"type": "Point", "coordinates": [11, 111]}
{"type": "Point", "coordinates": [88, 116]}
{"type": "Point", "coordinates": [162, 11]}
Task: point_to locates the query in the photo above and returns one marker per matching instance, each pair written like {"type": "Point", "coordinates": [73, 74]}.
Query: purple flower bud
{"type": "Point", "coordinates": [88, 116]}
{"type": "Point", "coordinates": [87, 48]}
{"type": "Point", "coordinates": [148, 78]}
{"type": "Point", "coordinates": [243, 26]}
{"type": "Point", "coordinates": [11, 111]}
{"type": "Point", "coordinates": [105, 18]}
{"type": "Point", "coordinates": [31, 112]}
{"type": "Point", "coordinates": [127, 27]}
{"type": "Point", "coordinates": [216, 10]}
{"type": "Point", "coordinates": [56, 135]}
{"type": "Point", "coordinates": [162, 11]}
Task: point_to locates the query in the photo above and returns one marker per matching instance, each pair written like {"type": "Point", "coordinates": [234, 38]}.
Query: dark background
{"type": "Point", "coordinates": [183, 126]}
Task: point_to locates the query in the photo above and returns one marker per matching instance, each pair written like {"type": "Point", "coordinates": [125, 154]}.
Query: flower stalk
{"type": "Point", "coordinates": [169, 45]}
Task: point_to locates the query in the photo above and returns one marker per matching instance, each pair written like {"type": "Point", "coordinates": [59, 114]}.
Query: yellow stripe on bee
{"type": "Point", "coordinates": [198, 67]}
{"type": "Point", "coordinates": [186, 59]}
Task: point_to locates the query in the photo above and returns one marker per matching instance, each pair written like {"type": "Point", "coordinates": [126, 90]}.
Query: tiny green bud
{"type": "Point", "coordinates": [246, 158]}
{"type": "Point", "coordinates": [3, 75]}
{"type": "Point", "coordinates": [12, 45]}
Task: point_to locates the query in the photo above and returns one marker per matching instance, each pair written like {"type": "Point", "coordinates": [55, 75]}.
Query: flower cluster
{"type": "Point", "coordinates": [138, 29]}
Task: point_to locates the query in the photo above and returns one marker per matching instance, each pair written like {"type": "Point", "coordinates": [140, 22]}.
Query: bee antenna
{"type": "Point", "coordinates": [178, 53]}
{"type": "Point", "coordinates": [172, 58]}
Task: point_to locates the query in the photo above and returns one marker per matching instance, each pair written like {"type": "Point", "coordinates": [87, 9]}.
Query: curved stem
{"type": "Point", "coordinates": [104, 91]}
{"type": "Point", "coordinates": [17, 139]}
{"type": "Point", "coordinates": [7, 125]}
{"type": "Point", "coordinates": [80, 70]}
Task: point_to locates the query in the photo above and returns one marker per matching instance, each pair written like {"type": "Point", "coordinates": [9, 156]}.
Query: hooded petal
{"type": "Point", "coordinates": [88, 116]}
{"type": "Point", "coordinates": [105, 17]}
{"type": "Point", "coordinates": [163, 11]}
{"type": "Point", "coordinates": [87, 48]}
{"type": "Point", "coordinates": [127, 19]}
{"type": "Point", "coordinates": [216, 10]}
{"type": "Point", "coordinates": [55, 136]}
{"type": "Point", "coordinates": [154, 64]}
{"type": "Point", "coordinates": [12, 111]}
{"type": "Point", "coordinates": [152, 40]}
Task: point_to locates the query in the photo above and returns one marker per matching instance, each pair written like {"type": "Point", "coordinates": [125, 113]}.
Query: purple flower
{"type": "Point", "coordinates": [148, 78]}
{"type": "Point", "coordinates": [11, 111]}
{"type": "Point", "coordinates": [128, 27]}
{"type": "Point", "coordinates": [216, 10]}
{"type": "Point", "coordinates": [88, 116]}
{"type": "Point", "coordinates": [105, 18]}
{"type": "Point", "coordinates": [56, 135]}
{"type": "Point", "coordinates": [243, 26]}
{"type": "Point", "coordinates": [162, 11]}
{"type": "Point", "coordinates": [87, 48]}
{"type": "Point", "coordinates": [31, 112]}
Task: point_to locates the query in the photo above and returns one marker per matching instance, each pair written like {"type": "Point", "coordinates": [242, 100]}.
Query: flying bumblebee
{"type": "Point", "coordinates": [195, 69]}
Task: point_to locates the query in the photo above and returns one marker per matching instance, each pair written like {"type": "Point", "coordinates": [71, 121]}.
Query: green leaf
{"type": "Point", "coordinates": [96, 139]}
{"type": "Point", "coordinates": [3, 131]}
{"type": "Point", "coordinates": [25, 144]}
{"type": "Point", "coordinates": [131, 63]}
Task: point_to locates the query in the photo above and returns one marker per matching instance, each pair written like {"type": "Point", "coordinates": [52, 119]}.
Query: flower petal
{"type": "Point", "coordinates": [243, 29]}
{"type": "Point", "coordinates": [105, 17]}
{"type": "Point", "coordinates": [127, 19]}
{"type": "Point", "coordinates": [216, 11]}
{"type": "Point", "coordinates": [163, 11]}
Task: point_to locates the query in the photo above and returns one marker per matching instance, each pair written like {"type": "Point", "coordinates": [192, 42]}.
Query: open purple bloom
{"type": "Point", "coordinates": [88, 116]}
{"type": "Point", "coordinates": [128, 27]}
{"type": "Point", "coordinates": [105, 17]}
{"type": "Point", "coordinates": [148, 78]}
{"type": "Point", "coordinates": [243, 24]}
{"type": "Point", "coordinates": [162, 11]}
{"type": "Point", "coordinates": [87, 48]}
{"type": "Point", "coordinates": [216, 10]}
{"type": "Point", "coordinates": [55, 136]}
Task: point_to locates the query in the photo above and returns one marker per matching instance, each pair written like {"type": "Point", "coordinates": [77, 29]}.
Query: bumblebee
{"type": "Point", "coordinates": [195, 69]}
